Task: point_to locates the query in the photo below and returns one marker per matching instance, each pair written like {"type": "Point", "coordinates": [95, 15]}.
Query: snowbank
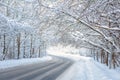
{"type": "Point", "coordinates": [13, 63]}
{"type": "Point", "coordinates": [86, 68]}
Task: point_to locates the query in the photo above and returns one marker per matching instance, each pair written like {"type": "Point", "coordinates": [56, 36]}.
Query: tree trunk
{"type": "Point", "coordinates": [107, 55]}
{"type": "Point", "coordinates": [39, 52]}
{"type": "Point", "coordinates": [4, 46]}
{"type": "Point", "coordinates": [97, 56]}
{"type": "Point", "coordinates": [113, 60]}
{"type": "Point", "coordinates": [18, 45]}
{"type": "Point", "coordinates": [31, 44]}
{"type": "Point", "coordinates": [102, 56]}
{"type": "Point", "coordinates": [24, 48]}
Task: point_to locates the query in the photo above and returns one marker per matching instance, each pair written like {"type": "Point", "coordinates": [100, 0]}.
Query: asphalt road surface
{"type": "Point", "coordinates": [39, 71]}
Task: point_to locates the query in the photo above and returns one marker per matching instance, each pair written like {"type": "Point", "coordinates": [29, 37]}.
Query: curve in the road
{"type": "Point", "coordinates": [42, 71]}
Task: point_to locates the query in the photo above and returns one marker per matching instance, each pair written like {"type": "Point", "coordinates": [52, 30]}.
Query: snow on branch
{"type": "Point", "coordinates": [97, 45]}
{"type": "Point", "coordinates": [90, 42]}
{"type": "Point", "coordinates": [20, 27]}
{"type": "Point", "coordinates": [105, 27]}
{"type": "Point", "coordinates": [3, 4]}
{"type": "Point", "coordinates": [4, 26]}
{"type": "Point", "coordinates": [83, 22]}
{"type": "Point", "coordinates": [94, 29]}
{"type": "Point", "coordinates": [10, 26]}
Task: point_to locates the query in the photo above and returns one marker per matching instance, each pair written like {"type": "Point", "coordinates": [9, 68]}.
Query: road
{"type": "Point", "coordinates": [39, 71]}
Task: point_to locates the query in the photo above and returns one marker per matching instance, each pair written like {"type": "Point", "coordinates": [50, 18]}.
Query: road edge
{"type": "Point", "coordinates": [68, 74]}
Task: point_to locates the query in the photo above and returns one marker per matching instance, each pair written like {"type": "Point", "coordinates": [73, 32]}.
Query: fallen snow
{"type": "Point", "coordinates": [85, 68]}
{"type": "Point", "coordinates": [91, 70]}
{"type": "Point", "coordinates": [12, 63]}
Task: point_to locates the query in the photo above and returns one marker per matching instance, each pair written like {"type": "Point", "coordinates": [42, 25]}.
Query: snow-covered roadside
{"type": "Point", "coordinates": [85, 68]}
{"type": "Point", "coordinates": [12, 63]}
{"type": "Point", "coordinates": [71, 72]}
{"type": "Point", "coordinates": [114, 74]}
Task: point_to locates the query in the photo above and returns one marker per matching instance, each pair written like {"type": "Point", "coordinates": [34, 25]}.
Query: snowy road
{"type": "Point", "coordinates": [39, 71]}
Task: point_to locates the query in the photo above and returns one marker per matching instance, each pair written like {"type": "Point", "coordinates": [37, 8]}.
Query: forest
{"type": "Point", "coordinates": [29, 27]}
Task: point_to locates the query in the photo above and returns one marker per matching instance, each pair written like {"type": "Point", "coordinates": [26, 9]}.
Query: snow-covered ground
{"type": "Point", "coordinates": [85, 68]}
{"type": "Point", "coordinates": [12, 63]}
{"type": "Point", "coordinates": [88, 69]}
